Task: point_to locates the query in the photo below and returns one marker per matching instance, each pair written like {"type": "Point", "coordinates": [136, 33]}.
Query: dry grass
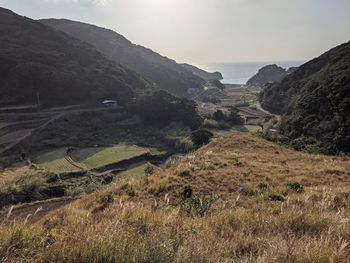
{"type": "Point", "coordinates": [11, 175]}
{"type": "Point", "coordinates": [230, 217]}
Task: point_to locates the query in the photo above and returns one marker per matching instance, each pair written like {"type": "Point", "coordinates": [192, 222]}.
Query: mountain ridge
{"type": "Point", "coordinates": [164, 72]}
{"type": "Point", "coordinates": [42, 65]}
{"type": "Point", "coordinates": [209, 76]}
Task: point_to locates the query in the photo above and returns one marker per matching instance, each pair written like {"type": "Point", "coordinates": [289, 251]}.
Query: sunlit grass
{"type": "Point", "coordinates": [55, 161]}
{"type": "Point", "coordinates": [99, 157]}
{"type": "Point", "coordinates": [229, 217]}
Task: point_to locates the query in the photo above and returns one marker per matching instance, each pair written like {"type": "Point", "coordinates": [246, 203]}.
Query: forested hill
{"type": "Point", "coordinates": [315, 100]}
{"type": "Point", "coordinates": [38, 61]}
{"type": "Point", "coordinates": [164, 72]}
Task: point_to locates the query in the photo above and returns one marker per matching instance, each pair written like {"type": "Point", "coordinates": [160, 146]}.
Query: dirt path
{"type": "Point", "coordinates": [260, 108]}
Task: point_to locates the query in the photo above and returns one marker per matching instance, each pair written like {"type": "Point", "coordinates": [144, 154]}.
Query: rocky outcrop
{"type": "Point", "coordinates": [202, 73]}
{"type": "Point", "coordinates": [267, 74]}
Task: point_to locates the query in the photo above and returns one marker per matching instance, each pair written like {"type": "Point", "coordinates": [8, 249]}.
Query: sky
{"type": "Point", "coordinates": [211, 31]}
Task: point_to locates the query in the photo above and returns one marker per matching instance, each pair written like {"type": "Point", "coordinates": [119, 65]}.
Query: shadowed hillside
{"type": "Point", "coordinates": [166, 73]}
{"type": "Point", "coordinates": [202, 73]}
{"type": "Point", "coordinates": [40, 63]}
{"type": "Point", "coordinates": [315, 101]}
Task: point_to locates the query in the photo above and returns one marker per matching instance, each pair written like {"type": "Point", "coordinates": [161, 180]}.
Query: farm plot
{"type": "Point", "coordinates": [102, 156]}
{"type": "Point", "coordinates": [57, 161]}
{"type": "Point", "coordinates": [135, 171]}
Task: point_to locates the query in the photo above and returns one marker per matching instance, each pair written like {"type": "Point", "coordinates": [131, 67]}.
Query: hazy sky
{"type": "Point", "coordinates": [203, 31]}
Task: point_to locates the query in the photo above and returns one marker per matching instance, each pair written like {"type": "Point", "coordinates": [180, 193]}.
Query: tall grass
{"type": "Point", "coordinates": [227, 217]}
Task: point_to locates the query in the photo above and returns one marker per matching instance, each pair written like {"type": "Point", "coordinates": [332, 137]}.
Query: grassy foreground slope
{"type": "Point", "coordinates": [238, 199]}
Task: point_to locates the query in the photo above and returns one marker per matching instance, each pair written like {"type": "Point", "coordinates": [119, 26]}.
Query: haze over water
{"type": "Point", "coordinates": [240, 72]}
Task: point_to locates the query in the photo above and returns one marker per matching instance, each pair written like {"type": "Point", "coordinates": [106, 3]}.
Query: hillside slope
{"type": "Point", "coordinates": [238, 199]}
{"type": "Point", "coordinates": [202, 73]}
{"type": "Point", "coordinates": [315, 100]}
{"type": "Point", "coordinates": [39, 63]}
{"type": "Point", "coordinates": [166, 73]}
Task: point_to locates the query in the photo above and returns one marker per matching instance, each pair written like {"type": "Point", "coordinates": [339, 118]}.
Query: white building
{"type": "Point", "coordinates": [110, 103]}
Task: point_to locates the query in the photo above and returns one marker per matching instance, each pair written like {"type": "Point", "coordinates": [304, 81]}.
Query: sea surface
{"type": "Point", "coordinates": [240, 72]}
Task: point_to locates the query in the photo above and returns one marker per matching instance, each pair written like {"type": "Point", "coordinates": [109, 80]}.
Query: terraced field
{"type": "Point", "coordinates": [56, 161]}
{"type": "Point", "coordinates": [102, 156]}
{"type": "Point", "coordinates": [64, 160]}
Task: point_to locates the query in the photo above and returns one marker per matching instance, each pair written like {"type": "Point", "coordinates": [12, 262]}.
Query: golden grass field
{"type": "Point", "coordinates": [252, 201]}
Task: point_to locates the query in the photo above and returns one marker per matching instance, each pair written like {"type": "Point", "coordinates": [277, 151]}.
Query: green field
{"type": "Point", "coordinates": [102, 156]}
{"type": "Point", "coordinates": [55, 161]}
{"type": "Point", "coordinates": [237, 128]}
{"type": "Point", "coordinates": [135, 171]}
{"type": "Point", "coordinates": [58, 161]}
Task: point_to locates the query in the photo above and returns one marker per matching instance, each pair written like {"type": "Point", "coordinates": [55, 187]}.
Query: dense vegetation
{"type": "Point", "coordinates": [166, 73]}
{"type": "Point", "coordinates": [315, 102]}
{"type": "Point", "coordinates": [37, 61]}
{"type": "Point", "coordinates": [161, 107]}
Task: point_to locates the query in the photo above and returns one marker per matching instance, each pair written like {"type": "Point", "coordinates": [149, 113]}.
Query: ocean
{"type": "Point", "coordinates": [240, 72]}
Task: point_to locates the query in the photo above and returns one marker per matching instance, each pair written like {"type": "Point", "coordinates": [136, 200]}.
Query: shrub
{"type": "Point", "coordinates": [247, 191]}
{"type": "Point", "coordinates": [210, 124]}
{"type": "Point", "coordinates": [276, 196]}
{"type": "Point", "coordinates": [185, 173]}
{"type": "Point", "coordinates": [297, 187]}
{"type": "Point", "coordinates": [149, 169]}
{"type": "Point", "coordinates": [184, 144]}
{"type": "Point", "coordinates": [187, 191]}
{"type": "Point", "coordinates": [304, 143]}
{"type": "Point", "coordinates": [107, 199]}
{"type": "Point", "coordinates": [74, 191]}
{"type": "Point", "coordinates": [234, 117]}
{"type": "Point", "coordinates": [338, 202]}
{"type": "Point", "coordinates": [31, 188]}
{"type": "Point", "coordinates": [219, 116]}
{"type": "Point", "coordinates": [128, 189]}
{"type": "Point", "coordinates": [201, 136]}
